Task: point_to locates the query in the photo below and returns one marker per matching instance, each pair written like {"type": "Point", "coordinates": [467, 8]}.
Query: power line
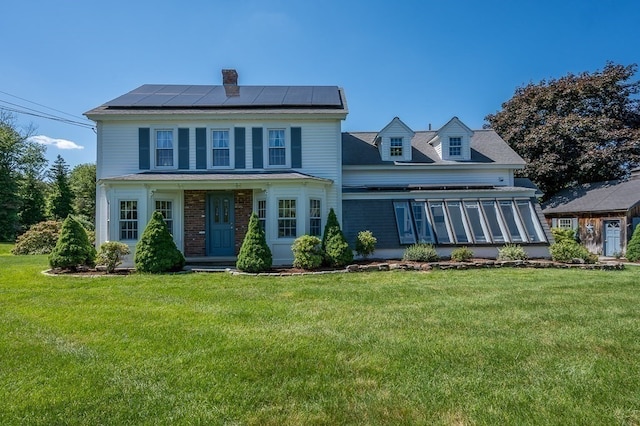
{"type": "Point", "coordinates": [47, 116]}
{"type": "Point", "coordinates": [44, 106]}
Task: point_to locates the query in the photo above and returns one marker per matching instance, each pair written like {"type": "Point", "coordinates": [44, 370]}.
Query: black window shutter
{"type": "Point", "coordinates": [183, 149]}
{"type": "Point", "coordinates": [296, 147]}
{"type": "Point", "coordinates": [240, 147]}
{"type": "Point", "coordinates": [144, 154]}
{"type": "Point", "coordinates": [201, 148]}
{"type": "Point", "coordinates": [257, 147]}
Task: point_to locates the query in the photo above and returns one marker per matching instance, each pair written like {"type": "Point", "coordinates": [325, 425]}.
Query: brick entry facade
{"type": "Point", "coordinates": [195, 220]}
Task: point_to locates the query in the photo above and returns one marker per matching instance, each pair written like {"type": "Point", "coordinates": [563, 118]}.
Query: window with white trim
{"type": "Point", "coordinates": [458, 221]}
{"type": "Point", "coordinates": [128, 222]}
{"type": "Point", "coordinates": [262, 214]}
{"type": "Point", "coordinates": [565, 223]}
{"type": "Point", "coordinates": [498, 233]}
{"type": "Point", "coordinates": [455, 146]}
{"type": "Point", "coordinates": [277, 155]}
{"type": "Point", "coordinates": [511, 221]}
{"type": "Point", "coordinates": [440, 222]}
{"type": "Point", "coordinates": [221, 148]}
{"type": "Point", "coordinates": [287, 222]}
{"type": "Point", "coordinates": [424, 230]}
{"type": "Point", "coordinates": [404, 222]}
{"type": "Point", "coordinates": [315, 218]}
{"type": "Point", "coordinates": [476, 221]}
{"type": "Point", "coordinates": [164, 148]}
{"type": "Point", "coordinates": [531, 225]}
{"type": "Point", "coordinates": [166, 210]}
{"type": "Point", "coordinates": [395, 147]}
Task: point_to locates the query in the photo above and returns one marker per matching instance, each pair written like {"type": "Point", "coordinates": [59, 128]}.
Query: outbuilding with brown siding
{"type": "Point", "coordinates": [604, 214]}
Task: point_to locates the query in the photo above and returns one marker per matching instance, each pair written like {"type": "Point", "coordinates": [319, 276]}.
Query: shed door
{"type": "Point", "coordinates": [612, 237]}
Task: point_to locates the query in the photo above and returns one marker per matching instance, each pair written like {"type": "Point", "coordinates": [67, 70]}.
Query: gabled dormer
{"type": "Point", "coordinates": [394, 141]}
{"type": "Point", "coordinates": [453, 141]}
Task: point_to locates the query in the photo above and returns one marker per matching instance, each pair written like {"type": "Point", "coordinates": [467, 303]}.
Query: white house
{"type": "Point", "coordinates": [207, 156]}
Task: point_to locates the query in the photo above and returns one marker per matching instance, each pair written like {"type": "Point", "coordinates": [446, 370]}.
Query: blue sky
{"type": "Point", "coordinates": [423, 61]}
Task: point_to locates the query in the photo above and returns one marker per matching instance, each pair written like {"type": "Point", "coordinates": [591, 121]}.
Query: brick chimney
{"type": "Point", "coordinates": [230, 77]}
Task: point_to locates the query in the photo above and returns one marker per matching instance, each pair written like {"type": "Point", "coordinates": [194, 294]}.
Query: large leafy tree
{"type": "Point", "coordinates": [83, 184]}
{"type": "Point", "coordinates": [18, 157]}
{"type": "Point", "coordinates": [32, 186]}
{"type": "Point", "coordinates": [576, 129]}
{"type": "Point", "coordinates": [60, 202]}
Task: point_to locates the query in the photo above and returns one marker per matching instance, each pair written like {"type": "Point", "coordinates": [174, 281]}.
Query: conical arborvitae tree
{"type": "Point", "coordinates": [633, 248]}
{"type": "Point", "coordinates": [255, 255]}
{"type": "Point", "coordinates": [334, 244]}
{"type": "Point", "coordinates": [73, 248]}
{"type": "Point", "coordinates": [156, 252]}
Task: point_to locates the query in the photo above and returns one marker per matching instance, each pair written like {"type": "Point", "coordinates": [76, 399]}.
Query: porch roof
{"type": "Point", "coordinates": [210, 176]}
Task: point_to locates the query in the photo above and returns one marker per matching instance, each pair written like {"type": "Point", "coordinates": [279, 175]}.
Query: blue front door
{"type": "Point", "coordinates": [612, 237]}
{"type": "Point", "coordinates": [220, 225]}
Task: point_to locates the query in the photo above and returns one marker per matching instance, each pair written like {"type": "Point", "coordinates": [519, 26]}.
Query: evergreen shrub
{"type": "Point", "coordinates": [156, 252]}
{"type": "Point", "coordinates": [334, 244]}
{"type": "Point", "coordinates": [255, 255]}
{"type": "Point", "coordinates": [73, 248]}
{"type": "Point", "coordinates": [563, 234]}
{"type": "Point", "coordinates": [633, 248]}
{"type": "Point", "coordinates": [307, 252]}
{"type": "Point", "coordinates": [421, 252]}
{"type": "Point", "coordinates": [41, 238]}
{"type": "Point", "coordinates": [365, 243]}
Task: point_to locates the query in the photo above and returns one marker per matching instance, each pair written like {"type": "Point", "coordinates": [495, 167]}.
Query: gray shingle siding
{"type": "Point", "coordinates": [376, 216]}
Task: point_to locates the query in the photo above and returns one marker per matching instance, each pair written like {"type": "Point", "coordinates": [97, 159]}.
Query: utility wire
{"type": "Point", "coordinates": [49, 117]}
{"type": "Point", "coordinates": [44, 106]}
{"type": "Point", "coordinates": [45, 114]}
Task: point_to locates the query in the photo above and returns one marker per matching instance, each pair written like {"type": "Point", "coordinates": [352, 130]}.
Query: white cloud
{"type": "Point", "coordinates": [58, 143]}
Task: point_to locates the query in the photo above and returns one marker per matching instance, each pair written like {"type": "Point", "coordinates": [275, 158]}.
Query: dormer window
{"type": "Point", "coordinates": [395, 147]}
{"type": "Point", "coordinates": [455, 146]}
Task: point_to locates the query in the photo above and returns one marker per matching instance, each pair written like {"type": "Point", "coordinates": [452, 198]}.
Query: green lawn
{"type": "Point", "coordinates": [504, 346]}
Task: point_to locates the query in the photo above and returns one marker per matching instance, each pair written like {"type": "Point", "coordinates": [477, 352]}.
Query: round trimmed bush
{"type": "Point", "coordinates": [156, 252]}
{"type": "Point", "coordinates": [111, 254]}
{"type": "Point", "coordinates": [307, 252]}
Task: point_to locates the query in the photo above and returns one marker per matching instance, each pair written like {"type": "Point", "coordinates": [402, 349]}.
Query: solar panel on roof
{"type": "Point", "coordinates": [271, 95]}
{"type": "Point", "coordinates": [298, 95]}
{"type": "Point", "coordinates": [156, 95]}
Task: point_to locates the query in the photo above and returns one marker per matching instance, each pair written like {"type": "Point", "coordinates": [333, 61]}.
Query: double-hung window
{"type": "Point", "coordinates": [455, 147]}
{"type": "Point", "coordinates": [221, 148]}
{"type": "Point", "coordinates": [166, 209]}
{"type": "Point", "coordinates": [277, 148]}
{"type": "Point", "coordinates": [315, 219]}
{"type": "Point", "coordinates": [128, 220]}
{"type": "Point", "coordinates": [164, 148]}
{"type": "Point", "coordinates": [395, 147]}
{"type": "Point", "coordinates": [262, 214]}
{"type": "Point", "coordinates": [287, 222]}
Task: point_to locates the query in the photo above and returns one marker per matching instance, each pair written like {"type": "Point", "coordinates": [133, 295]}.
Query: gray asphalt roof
{"type": "Point", "coordinates": [487, 147]}
{"type": "Point", "coordinates": [201, 96]}
{"type": "Point", "coordinates": [202, 176]}
{"type": "Point", "coordinates": [596, 197]}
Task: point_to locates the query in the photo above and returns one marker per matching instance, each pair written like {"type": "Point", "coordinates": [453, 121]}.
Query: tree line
{"type": "Point", "coordinates": [31, 190]}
